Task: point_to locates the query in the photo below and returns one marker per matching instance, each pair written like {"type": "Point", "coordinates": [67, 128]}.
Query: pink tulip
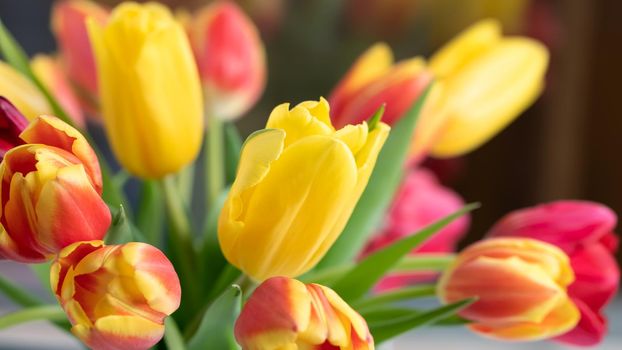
{"type": "Point", "coordinates": [420, 201]}
{"type": "Point", "coordinates": [584, 230]}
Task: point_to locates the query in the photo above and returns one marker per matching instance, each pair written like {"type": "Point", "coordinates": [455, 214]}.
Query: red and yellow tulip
{"type": "Point", "coordinates": [297, 184]}
{"type": "Point", "coordinates": [521, 286]}
{"type": "Point", "coordinates": [50, 192]}
{"type": "Point", "coordinates": [230, 57]}
{"type": "Point", "coordinates": [117, 296]}
{"type": "Point", "coordinates": [284, 313]}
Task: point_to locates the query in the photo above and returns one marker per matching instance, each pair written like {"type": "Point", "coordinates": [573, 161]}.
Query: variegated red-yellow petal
{"type": "Point", "coordinates": [122, 333]}
{"type": "Point", "coordinates": [279, 309]}
{"type": "Point", "coordinates": [67, 258]}
{"type": "Point", "coordinates": [70, 210]}
{"type": "Point", "coordinates": [317, 331]}
{"type": "Point", "coordinates": [52, 131]}
{"type": "Point", "coordinates": [357, 322]}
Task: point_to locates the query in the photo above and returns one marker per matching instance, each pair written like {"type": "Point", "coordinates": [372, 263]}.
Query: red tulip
{"type": "Point", "coordinates": [584, 230]}
{"type": "Point", "coordinates": [420, 201]}
{"type": "Point", "coordinates": [50, 193]}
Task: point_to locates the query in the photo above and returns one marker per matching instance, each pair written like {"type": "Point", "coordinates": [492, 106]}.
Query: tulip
{"type": "Point", "coordinates": [230, 57]}
{"type": "Point", "coordinates": [520, 285]}
{"type": "Point", "coordinates": [373, 80]}
{"type": "Point", "coordinates": [50, 73]}
{"type": "Point", "coordinates": [420, 201]}
{"type": "Point", "coordinates": [284, 313]}
{"type": "Point", "coordinates": [22, 92]}
{"type": "Point", "coordinates": [297, 184]}
{"type": "Point", "coordinates": [488, 80]}
{"type": "Point", "coordinates": [584, 230]}
{"type": "Point", "coordinates": [69, 27]}
{"type": "Point", "coordinates": [50, 192]}
{"type": "Point", "coordinates": [149, 87]}
{"type": "Point", "coordinates": [117, 296]}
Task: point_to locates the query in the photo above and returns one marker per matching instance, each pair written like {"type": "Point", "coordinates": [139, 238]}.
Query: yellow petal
{"type": "Point", "coordinates": [299, 122]}
{"type": "Point", "coordinates": [372, 64]}
{"type": "Point", "coordinates": [22, 93]}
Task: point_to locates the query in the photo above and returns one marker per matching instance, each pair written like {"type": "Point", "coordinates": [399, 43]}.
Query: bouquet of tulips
{"type": "Point", "coordinates": [317, 232]}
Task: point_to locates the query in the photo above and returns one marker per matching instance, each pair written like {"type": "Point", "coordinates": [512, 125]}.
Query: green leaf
{"type": "Point", "coordinates": [233, 147]}
{"type": "Point", "coordinates": [376, 118]}
{"type": "Point", "coordinates": [371, 269]}
{"type": "Point", "coordinates": [210, 257]}
{"type": "Point", "coordinates": [395, 296]}
{"type": "Point", "coordinates": [172, 335]}
{"type": "Point", "coordinates": [34, 313]}
{"type": "Point", "coordinates": [42, 272]}
{"type": "Point", "coordinates": [150, 213]}
{"type": "Point", "coordinates": [379, 192]}
{"type": "Point", "coordinates": [120, 230]}
{"type": "Point", "coordinates": [379, 316]}
{"type": "Point", "coordinates": [18, 294]}
{"type": "Point", "coordinates": [383, 331]}
{"type": "Point", "coordinates": [216, 328]}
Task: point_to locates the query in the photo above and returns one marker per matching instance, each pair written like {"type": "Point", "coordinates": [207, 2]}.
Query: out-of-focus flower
{"type": "Point", "coordinates": [486, 81]}
{"type": "Point", "coordinates": [69, 27]}
{"type": "Point", "coordinates": [297, 184]}
{"type": "Point", "coordinates": [12, 123]}
{"type": "Point", "coordinates": [284, 313]}
{"type": "Point", "coordinates": [50, 192]}
{"type": "Point", "coordinates": [520, 285]}
{"type": "Point", "coordinates": [584, 230]}
{"type": "Point", "coordinates": [385, 18]}
{"type": "Point", "coordinates": [22, 92]}
{"type": "Point", "coordinates": [50, 73]}
{"type": "Point", "coordinates": [116, 297]}
{"type": "Point", "coordinates": [149, 87]}
{"type": "Point", "coordinates": [375, 79]}
{"type": "Point", "coordinates": [230, 57]}
{"type": "Point", "coordinates": [420, 201]}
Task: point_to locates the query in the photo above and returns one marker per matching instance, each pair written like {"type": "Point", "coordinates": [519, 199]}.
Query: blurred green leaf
{"type": "Point", "coordinates": [216, 328]}
{"type": "Point", "coordinates": [379, 192]}
{"type": "Point", "coordinates": [379, 316]}
{"type": "Point", "coordinates": [42, 272]}
{"type": "Point", "coordinates": [33, 313]}
{"type": "Point", "coordinates": [17, 294]}
{"type": "Point", "coordinates": [120, 230]}
{"type": "Point", "coordinates": [150, 214]}
{"type": "Point", "coordinates": [172, 335]}
{"type": "Point", "coordinates": [395, 296]}
{"type": "Point", "coordinates": [373, 267]}
{"type": "Point", "coordinates": [233, 147]}
{"type": "Point", "coordinates": [391, 328]}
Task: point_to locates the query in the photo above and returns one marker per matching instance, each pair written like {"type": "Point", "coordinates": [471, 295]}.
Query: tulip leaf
{"type": "Point", "coordinates": [18, 294]}
{"type": "Point", "coordinates": [34, 313]}
{"type": "Point", "coordinates": [371, 269]}
{"type": "Point", "coordinates": [120, 230]}
{"type": "Point", "coordinates": [172, 336]}
{"type": "Point", "coordinates": [383, 183]}
{"type": "Point", "coordinates": [233, 147]}
{"type": "Point", "coordinates": [394, 326]}
{"type": "Point", "coordinates": [216, 328]}
{"type": "Point", "coordinates": [376, 118]}
{"type": "Point", "coordinates": [395, 296]}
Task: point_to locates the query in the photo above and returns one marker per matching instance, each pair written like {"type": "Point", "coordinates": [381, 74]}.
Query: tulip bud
{"type": "Point", "coordinates": [584, 231]}
{"type": "Point", "coordinates": [420, 201]}
{"type": "Point", "coordinates": [284, 313]}
{"type": "Point", "coordinates": [297, 184]}
{"type": "Point", "coordinates": [118, 296]}
{"type": "Point", "coordinates": [231, 59]}
{"type": "Point", "coordinates": [149, 87]}
{"type": "Point", "coordinates": [22, 92]}
{"type": "Point", "coordinates": [374, 80]}
{"type": "Point", "coordinates": [69, 27]}
{"type": "Point", "coordinates": [49, 72]}
{"type": "Point", "coordinates": [50, 193]}
{"type": "Point", "coordinates": [520, 285]}
{"type": "Point", "coordinates": [488, 81]}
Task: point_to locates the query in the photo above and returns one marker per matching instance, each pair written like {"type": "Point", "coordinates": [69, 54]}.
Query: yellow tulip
{"type": "Point", "coordinates": [297, 184]}
{"type": "Point", "coordinates": [488, 80]}
{"type": "Point", "coordinates": [149, 88]}
{"type": "Point", "coordinates": [22, 92]}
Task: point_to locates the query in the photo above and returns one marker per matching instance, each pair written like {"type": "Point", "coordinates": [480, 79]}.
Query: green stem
{"type": "Point", "coordinates": [18, 294]}
{"type": "Point", "coordinates": [185, 183]}
{"type": "Point", "coordinates": [420, 291]}
{"type": "Point", "coordinates": [44, 312]}
{"type": "Point", "coordinates": [425, 262]}
{"type": "Point", "coordinates": [181, 237]}
{"type": "Point", "coordinates": [172, 335]}
{"type": "Point", "coordinates": [214, 160]}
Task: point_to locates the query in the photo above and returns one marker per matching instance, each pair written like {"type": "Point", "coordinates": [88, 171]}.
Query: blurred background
{"type": "Point", "coordinates": [566, 145]}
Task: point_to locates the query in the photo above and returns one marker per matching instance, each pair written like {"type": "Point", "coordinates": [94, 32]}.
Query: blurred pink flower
{"type": "Point", "coordinates": [420, 201]}
{"type": "Point", "coordinates": [584, 230]}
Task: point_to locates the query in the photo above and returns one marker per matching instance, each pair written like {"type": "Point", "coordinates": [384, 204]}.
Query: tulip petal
{"type": "Point", "coordinates": [590, 330]}
{"type": "Point", "coordinates": [22, 92]}
{"type": "Point", "coordinates": [300, 121]}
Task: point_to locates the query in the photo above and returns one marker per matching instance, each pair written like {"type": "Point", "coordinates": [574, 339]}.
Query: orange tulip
{"type": "Point", "coordinates": [118, 296]}
{"type": "Point", "coordinates": [68, 24]}
{"type": "Point", "coordinates": [284, 313]}
{"type": "Point", "coordinates": [50, 195]}
{"type": "Point", "coordinates": [521, 286]}
{"type": "Point", "coordinates": [230, 57]}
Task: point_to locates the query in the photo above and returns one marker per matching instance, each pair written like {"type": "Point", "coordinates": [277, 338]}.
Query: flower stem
{"type": "Point", "coordinates": [214, 160]}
